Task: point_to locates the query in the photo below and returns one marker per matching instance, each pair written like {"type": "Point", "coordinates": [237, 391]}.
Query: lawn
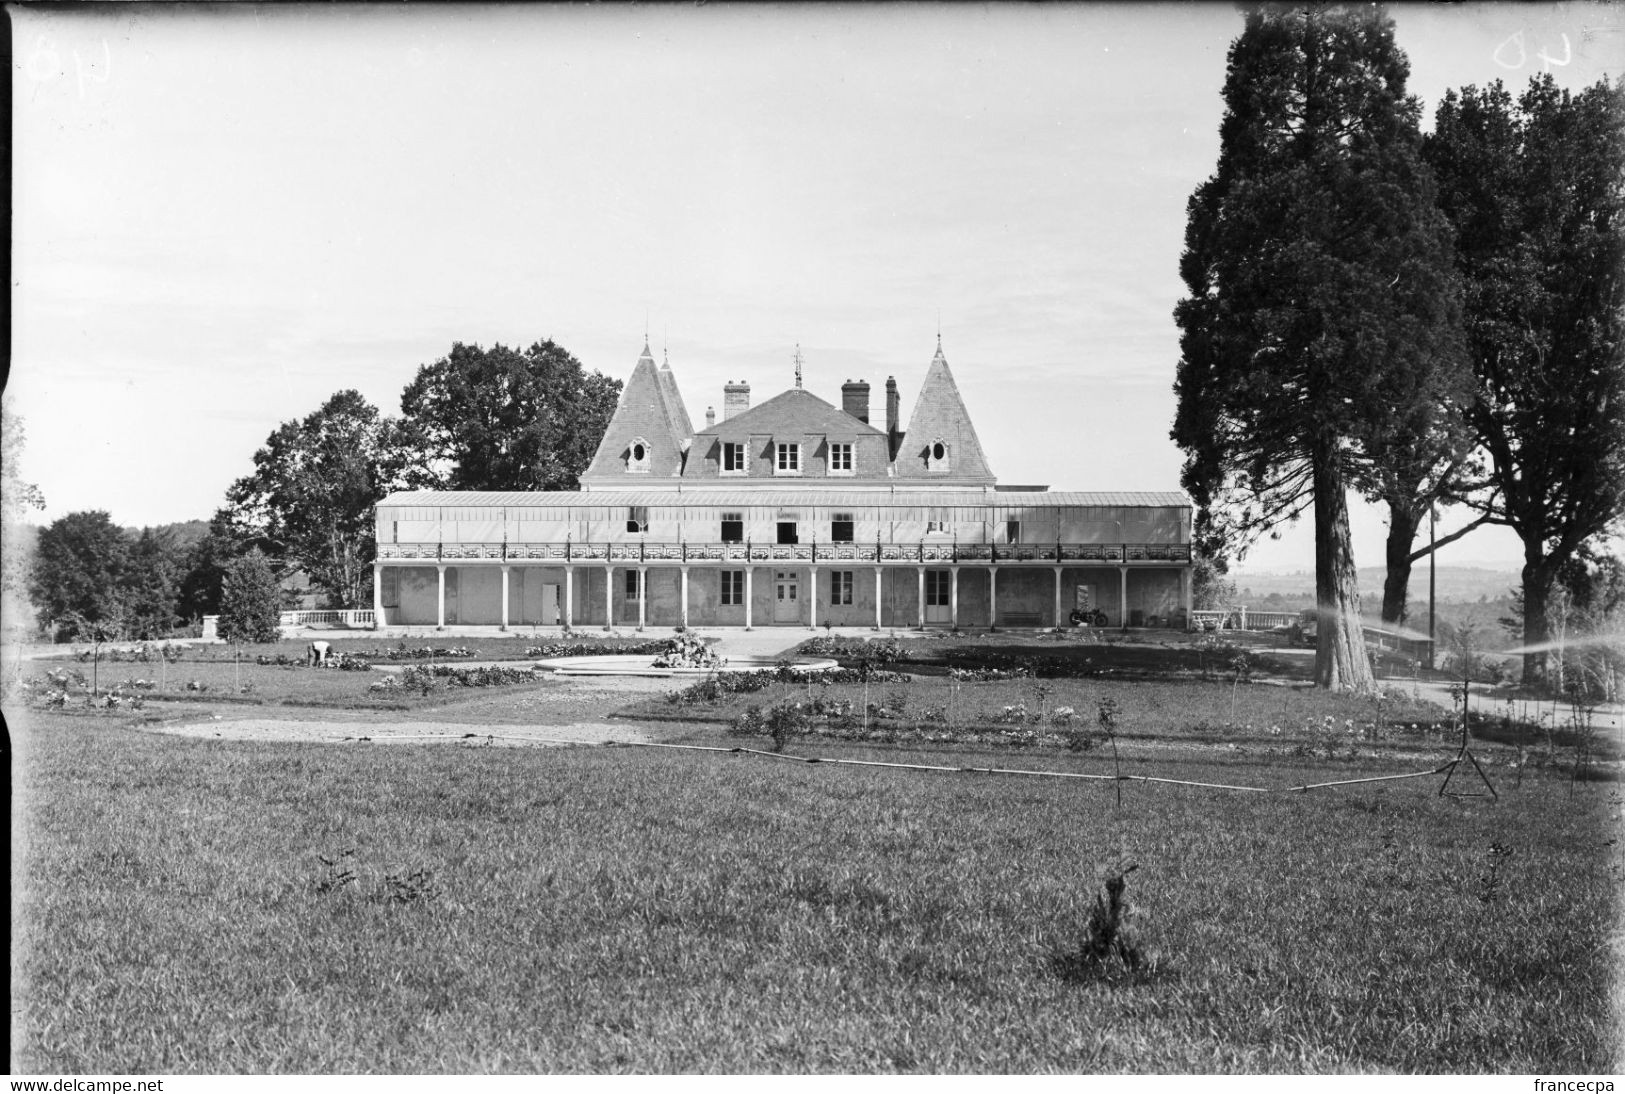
{"type": "Point", "coordinates": [453, 909]}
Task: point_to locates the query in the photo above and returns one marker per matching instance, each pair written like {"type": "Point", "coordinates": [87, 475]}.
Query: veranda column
{"type": "Point", "coordinates": [643, 595]}
{"type": "Point", "coordinates": [440, 599]}
{"type": "Point", "coordinates": [877, 598]}
{"type": "Point", "coordinates": [684, 583]}
{"type": "Point", "coordinates": [812, 599]}
{"type": "Point", "coordinates": [748, 571]}
{"type": "Point", "coordinates": [609, 597]}
{"type": "Point", "coordinates": [1122, 595]}
{"type": "Point", "coordinates": [377, 596]}
{"type": "Point", "coordinates": [1185, 593]}
{"type": "Point", "coordinates": [1057, 598]}
{"type": "Point", "coordinates": [992, 598]}
{"type": "Point", "coordinates": [569, 596]}
{"type": "Point", "coordinates": [505, 597]}
{"type": "Point", "coordinates": [922, 598]}
{"type": "Point", "coordinates": [953, 597]}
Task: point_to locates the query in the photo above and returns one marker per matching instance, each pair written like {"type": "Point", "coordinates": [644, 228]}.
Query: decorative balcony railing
{"type": "Point", "coordinates": [642, 551]}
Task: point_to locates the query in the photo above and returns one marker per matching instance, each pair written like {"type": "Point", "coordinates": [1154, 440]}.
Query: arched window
{"type": "Point", "coordinates": [637, 455]}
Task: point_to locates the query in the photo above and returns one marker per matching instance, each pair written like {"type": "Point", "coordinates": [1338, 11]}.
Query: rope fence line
{"type": "Point", "coordinates": [1447, 766]}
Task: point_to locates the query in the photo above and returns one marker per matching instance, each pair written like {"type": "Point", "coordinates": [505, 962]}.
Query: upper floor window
{"type": "Point", "coordinates": [840, 528]}
{"type": "Point", "coordinates": [938, 456]}
{"type": "Point", "coordinates": [734, 461]}
{"type": "Point", "coordinates": [733, 527]}
{"type": "Point", "coordinates": [936, 522]}
{"type": "Point", "coordinates": [789, 459]}
{"type": "Point", "coordinates": [637, 455]}
{"type": "Point", "coordinates": [1012, 531]}
{"type": "Point", "coordinates": [840, 459]}
{"type": "Point", "coordinates": [637, 519]}
{"type": "Point", "coordinates": [787, 532]}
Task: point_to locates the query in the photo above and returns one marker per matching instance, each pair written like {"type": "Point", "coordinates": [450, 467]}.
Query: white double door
{"type": "Point", "coordinates": [786, 596]}
{"type": "Point", "coordinates": [938, 596]}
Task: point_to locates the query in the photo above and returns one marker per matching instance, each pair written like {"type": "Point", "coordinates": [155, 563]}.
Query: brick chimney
{"type": "Point", "coordinates": [894, 410]}
{"type": "Point", "coordinates": [855, 399]}
{"type": "Point", "coordinates": [735, 398]}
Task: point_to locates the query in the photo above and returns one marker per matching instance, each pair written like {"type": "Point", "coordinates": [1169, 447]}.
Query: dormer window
{"type": "Point", "coordinates": [637, 455]}
{"type": "Point", "coordinates": [938, 456]}
{"type": "Point", "coordinates": [840, 458]}
{"type": "Point", "coordinates": [788, 459]}
{"type": "Point", "coordinates": [734, 460]}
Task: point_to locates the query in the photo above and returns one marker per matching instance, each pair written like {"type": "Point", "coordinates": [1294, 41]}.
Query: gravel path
{"type": "Point", "coordinates": [377, 732]}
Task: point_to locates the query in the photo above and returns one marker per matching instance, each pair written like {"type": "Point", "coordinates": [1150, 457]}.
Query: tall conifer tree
{"type": "Point", "coordinates": [1536, 191]}
{"type": "Point", "coordinates": [1323, 309]}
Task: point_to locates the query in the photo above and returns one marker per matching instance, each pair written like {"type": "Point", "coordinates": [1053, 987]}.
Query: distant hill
{"type": "Point", "coordinates": [1461, 584]}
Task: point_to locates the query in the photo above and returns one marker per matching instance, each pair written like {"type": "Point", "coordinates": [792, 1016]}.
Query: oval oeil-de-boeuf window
{"type": "Point", "coordinates": [637, 453]}
{"type": "Point", "coordinates": [938, 451]}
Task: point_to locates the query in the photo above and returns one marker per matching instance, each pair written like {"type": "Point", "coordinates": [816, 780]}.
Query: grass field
{"type": "Point", "coordinates": [655, 911]}
{"type": "Point", "coordinates": [187, 905]}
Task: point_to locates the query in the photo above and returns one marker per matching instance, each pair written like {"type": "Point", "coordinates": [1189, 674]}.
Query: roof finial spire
{"type": "Point", "coordinates": [798, 364]}
{"type": "Point", "coordinates": [665, 350]}
{"type": "Point", "coordinates": [939, 332]}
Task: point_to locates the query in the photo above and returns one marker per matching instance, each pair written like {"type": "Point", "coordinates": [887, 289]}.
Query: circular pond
{"type": "Point", "coordinates": [635, 665]}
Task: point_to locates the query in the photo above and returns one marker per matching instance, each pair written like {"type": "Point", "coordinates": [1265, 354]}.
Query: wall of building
{"type": "Point", "coordinates": [1026, 596]}
{"type": "Point", "coordinates": [700, 522]}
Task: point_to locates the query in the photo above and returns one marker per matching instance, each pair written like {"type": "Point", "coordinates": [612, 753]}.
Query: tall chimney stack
{"type": "Point", "coordinates": [735, 398]}
{"type": "Point", "coordinates": [893, 412]}
{"type": "Point", "coordinates": [710, 416]}
{"type": "Point", "coordinates": [855, 399]}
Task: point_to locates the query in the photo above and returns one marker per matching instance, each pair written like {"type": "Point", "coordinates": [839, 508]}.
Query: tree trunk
{"type": "Point", "coordinates": [1341, 663]}
{"type": "Point", "coordinates": [1538, 575]}
{"type": "Point", "coordinates": [1402, 525]}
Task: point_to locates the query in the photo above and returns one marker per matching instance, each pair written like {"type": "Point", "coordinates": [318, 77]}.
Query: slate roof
{"type": "Point", "coordinates": [712, 496]}
{"type": "Point", "coordinates": [796, 411]}
{"type": "Point", "coordinates": [651, 409]}
{"type": "Point", "coordinates": [940, 415]}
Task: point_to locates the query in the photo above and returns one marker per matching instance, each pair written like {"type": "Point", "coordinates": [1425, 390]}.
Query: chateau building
{"type": "Point", "coordinates": [794, 512]}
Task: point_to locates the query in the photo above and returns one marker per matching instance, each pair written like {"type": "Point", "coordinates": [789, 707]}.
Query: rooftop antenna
{"type": "Point", "coordinates": [798, 364]}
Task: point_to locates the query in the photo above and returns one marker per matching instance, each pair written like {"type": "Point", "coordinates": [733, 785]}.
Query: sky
{"type": "Point", "coordinates": [224, 214]}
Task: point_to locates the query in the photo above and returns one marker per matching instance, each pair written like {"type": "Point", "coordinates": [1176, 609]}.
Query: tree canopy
{"type": "Point", "coordinates": [1322, 307]}
{"type": "Point", "coordinates": [501, 419]}
{"type": "Point", "coordinates": [1535, 188]}
{"type": "Point", "coordinates": [249, 600]}
{"type": "Point", "coordinates": [78, 573]}
{"type": "Point", "coordinates": [16, 498]}
{"type": "Point", "coordinates": [310, 499]}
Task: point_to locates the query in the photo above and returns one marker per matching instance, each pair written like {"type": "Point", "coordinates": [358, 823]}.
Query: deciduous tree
{"type": "Point", "coordinates": [1536, 191]}
{"type": "Point", "coordinates": [309, 502]}
{"type": "Point", "coordinates": [249, 600]}
{"type": "Point", "coordinates": [16, 499]}
{"type": "Point", "coordinates": [1322, 304]}
{"type": "Point", "coordinates": [151, 583]}
{"type": "Point", "coordinates": [78, 573]}
{"type": "Point", "coordinates": [501, 419]}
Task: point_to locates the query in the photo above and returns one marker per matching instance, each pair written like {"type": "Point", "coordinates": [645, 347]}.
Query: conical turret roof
{"type": "Point", "coordinates": [650, 412]}
{"type": "Point", "coordinates": [940, 419]}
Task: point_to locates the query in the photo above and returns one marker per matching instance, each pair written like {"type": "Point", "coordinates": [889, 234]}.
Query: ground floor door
{"type": "Point", "coordinates": [451, 596]}
{"type": "Point", "coordinates": [786, 597]}
{"type": "Point", "coordinates": [550, 606]}
{"type": "Point", "coordinates": [937, 593]}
